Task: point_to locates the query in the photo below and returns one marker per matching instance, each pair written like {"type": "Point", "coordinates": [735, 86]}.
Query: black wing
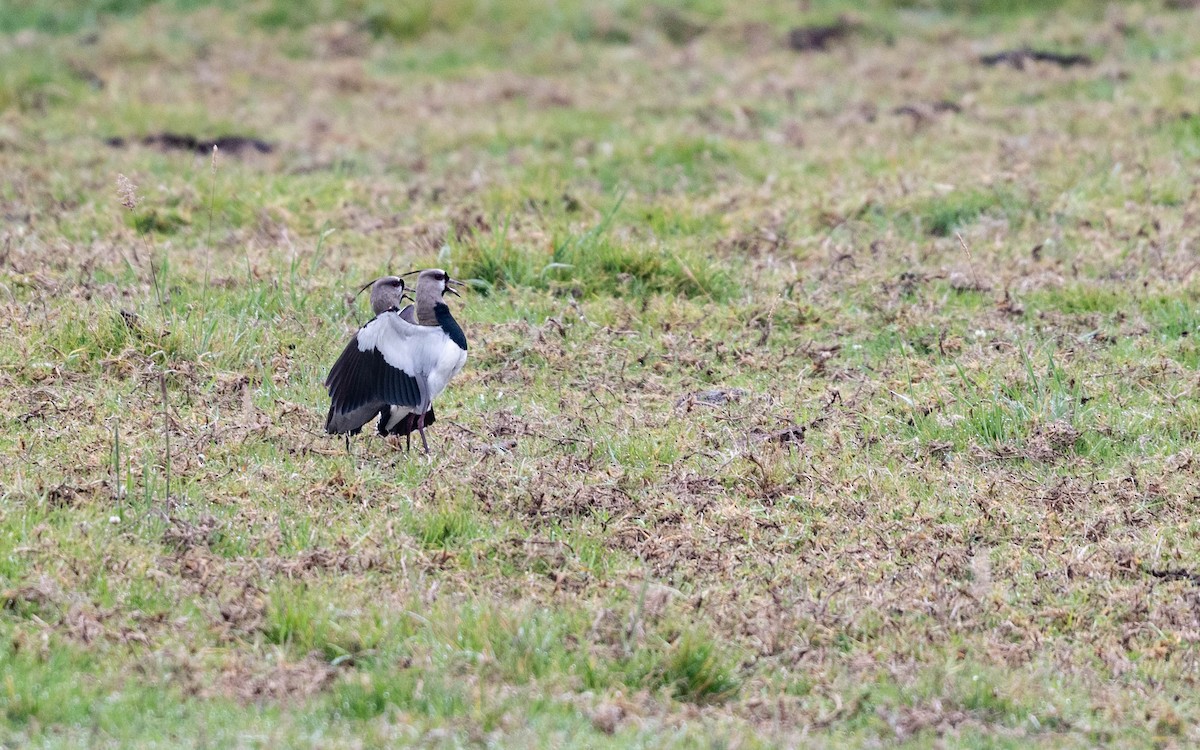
{"type": "Point", "coordinates": [361, 384]}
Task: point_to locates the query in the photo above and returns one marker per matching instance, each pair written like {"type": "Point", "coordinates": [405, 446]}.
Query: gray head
{"type": "Point", "coordinates": [432, 284]}
{"type": "Point", "coordinates": [387, 293]}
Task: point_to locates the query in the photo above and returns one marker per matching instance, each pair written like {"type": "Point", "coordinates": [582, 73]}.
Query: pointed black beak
{"type": "Point", "coordinates": [451, 289]}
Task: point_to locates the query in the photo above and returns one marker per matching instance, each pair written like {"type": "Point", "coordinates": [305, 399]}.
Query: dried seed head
{"type": "Point", "coordinates": [214, 158]}
{"type": "Point", "coordinates": [127, 192]}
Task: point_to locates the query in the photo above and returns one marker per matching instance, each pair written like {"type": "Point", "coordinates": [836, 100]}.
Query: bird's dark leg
{"type": "Point", "coordinates": [421, 429]}
{"type": "Point", "coordinates": [347, 442]}
{"type": "Point", "coordinates": [408, 441]}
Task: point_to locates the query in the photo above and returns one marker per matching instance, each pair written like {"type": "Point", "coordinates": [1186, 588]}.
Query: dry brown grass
{"type": "Point", "coordinates": [863, 414]}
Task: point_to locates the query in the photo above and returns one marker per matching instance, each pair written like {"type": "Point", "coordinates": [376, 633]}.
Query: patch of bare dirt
{"type": "Point", "coordinates": [819, 37]}
{"type": "Point", "coordinates": [321, 560]}
{"type": "Point", "coordinates": [607, 717]}
{"type": "Point", "coordinates": [226, 144]}
{"type": "Point", "coordinates": [242, 611]}
{"type": "Point", "coordinates": [42, 594]}
{"type": "Point", "coordinates": [1051, 441]}
{"type": "Point", "coordinates": [74, 617]}
{"type": "Point", "coordinates": [244, 678]}
{"type": "Point", "coordinates": [936, 715]}
{"type": "Point", "coordinates": [284, 681]}
{"type": "Point", "coordinates": [1020, 57]}
{"type": "Point", "coordinates": [182, 534]}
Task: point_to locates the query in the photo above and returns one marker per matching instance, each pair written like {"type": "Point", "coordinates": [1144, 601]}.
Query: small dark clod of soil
{"type": "Point", "coordinates": [793, 434]}
{"type": "Point", "coordinates": [677, 26]}
{"type": "Point", "coordinates": [130, 319]}
{"type": "Point", "coordinates": [227, 144]}
{"type": "Point", "coordinates": [818, 37]}
{"type": "Point", "coordinates": [1018, 57]}
{"type": "Point", "coordinates": [920, 111]}
{"type": "Point", "coordinates": [1175, 574]}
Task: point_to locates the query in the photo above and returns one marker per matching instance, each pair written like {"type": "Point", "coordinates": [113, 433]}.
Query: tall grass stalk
{"type": "Point", "coordinates": [162, 384]}
{"type": "Point", "coordinates": [212, 193]}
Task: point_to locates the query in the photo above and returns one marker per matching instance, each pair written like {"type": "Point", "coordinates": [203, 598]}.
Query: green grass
{"type": "Point", "coordinates": [944, 215]}
{"type": "Point", "coordinates": [589, 262]}
{"type": "Point", "coordinates": [801, 409]}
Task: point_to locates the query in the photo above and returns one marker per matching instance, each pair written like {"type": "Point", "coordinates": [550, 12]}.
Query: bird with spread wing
{"type": "Point", "coordinates": [398, 363]}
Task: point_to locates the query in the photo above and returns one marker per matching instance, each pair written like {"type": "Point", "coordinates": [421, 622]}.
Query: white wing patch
{"type": "Point", "coordinates": [424, 352]}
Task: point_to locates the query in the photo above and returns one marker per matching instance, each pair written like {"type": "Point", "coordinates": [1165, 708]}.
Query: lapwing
{"type": "Point", "coordinates": [387, 293]}
{"type": "Point", "coordinates": [399, 361]}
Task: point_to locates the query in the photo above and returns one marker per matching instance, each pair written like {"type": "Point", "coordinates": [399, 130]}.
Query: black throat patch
{"type": "Point", "coordinates": [450, 325]}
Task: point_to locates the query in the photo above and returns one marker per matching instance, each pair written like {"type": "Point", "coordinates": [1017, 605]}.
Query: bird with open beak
{"type": "Point", "coordinates": [399, 361]}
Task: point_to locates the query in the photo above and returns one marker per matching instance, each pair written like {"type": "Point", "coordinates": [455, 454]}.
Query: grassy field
{"type": "Point", "coordinates": [834, 396]}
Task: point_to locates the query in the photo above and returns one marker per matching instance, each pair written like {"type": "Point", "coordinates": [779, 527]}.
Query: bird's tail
{"type": "Point", "coordinates": [409, 423]}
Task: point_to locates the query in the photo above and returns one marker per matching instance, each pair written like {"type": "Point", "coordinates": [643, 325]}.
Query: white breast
{"type": "Point", "coordinates": [449, 361]}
